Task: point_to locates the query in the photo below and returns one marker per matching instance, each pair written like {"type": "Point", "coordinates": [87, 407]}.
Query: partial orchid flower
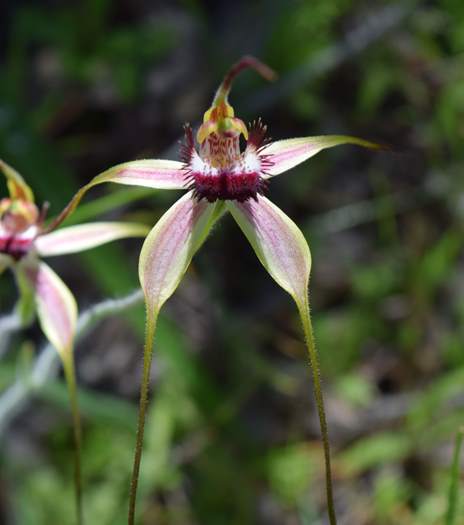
{"type": "Point", "coordinates": [23, 241]}
{"type": "Point", "coordinates": [221, 177]}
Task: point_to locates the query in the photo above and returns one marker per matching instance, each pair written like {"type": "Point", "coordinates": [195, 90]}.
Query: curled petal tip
{"type": "Point", "coordinates": [381, 146]}
{"type": "Point", "coordinates": [246, 62]}
{"type": "Point", "coordinates": [249, 62]}
{"type": "Point", "coordinates": [220, 118]}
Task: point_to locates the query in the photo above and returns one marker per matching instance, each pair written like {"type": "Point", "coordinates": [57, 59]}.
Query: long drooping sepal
{"type": "Point", "coordinates": [17, 187]}
{"type": "Point", "coordinates": [278, 243]}
{"type": "Point", "coordinates": [283, 155]}
{"type": "Point", "coordinates": [165, 257]}
{"type": "Point", "coordinates": [170, 246]}
{"type": "Point", "coordinates": [284, 252]}
{"type": "Point", "coordinates": [56, 306]}
{"type": "Point", "coordinates": [85, 236]}
{"type": "Point", "coordinates": [150, 173]}
{"type": "Point", "coordinates": [57, 313]}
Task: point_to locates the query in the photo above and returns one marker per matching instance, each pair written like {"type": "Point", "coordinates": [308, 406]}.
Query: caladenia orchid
{"type": "Point", "coordinates": [23, 241]}
{"type": "Point", "coordinates": [221, 177]}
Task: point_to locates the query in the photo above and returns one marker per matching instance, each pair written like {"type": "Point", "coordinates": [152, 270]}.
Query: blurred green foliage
{"type": "Point", "coordinates": [231, 437]}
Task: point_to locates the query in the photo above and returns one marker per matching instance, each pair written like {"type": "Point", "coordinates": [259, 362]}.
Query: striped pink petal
{"type": "Point", "coordinates": [170, 246]}
{"type": "Point", "coordinates": [278, 243]}
{"type": "Point", "coordinates": [151, 173]}
{"type": "Point", "coordinates": [285, 154]}
{"type": "Point", "coordinates": [85, 236]}
{"type": "Point", "coordinates": [56, 306]}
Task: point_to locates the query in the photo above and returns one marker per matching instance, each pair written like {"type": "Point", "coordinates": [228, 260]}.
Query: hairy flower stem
{"type": "Point", "coordinates": [70, 376]}
{"type": "Point", "coordinates": [316, 375]}
{"type": "Point", "coordinates": [144, 391]}
{"type": "Point", "coordinates": [453, 493]}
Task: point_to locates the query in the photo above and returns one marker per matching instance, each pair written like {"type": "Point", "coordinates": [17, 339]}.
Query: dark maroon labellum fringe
{"type": "Point", "coordinates": [15, 247]}
{"type": "Point", "coordinates": [227, 186]}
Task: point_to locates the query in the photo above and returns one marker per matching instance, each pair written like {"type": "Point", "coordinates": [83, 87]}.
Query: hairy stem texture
{"type": "Point", "coordinates": [144, 391]}
{"type": "Point", "coordinates": [316, 375]}
{"type": "Point", "coordinates": [70, 376]}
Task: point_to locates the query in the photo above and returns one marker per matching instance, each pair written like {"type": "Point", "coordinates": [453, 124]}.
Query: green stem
{"type": "Point", "coordinates": [316, 374]}
{"type": "Point", "coordinates": [452, 511]}
{"type": "Point", "coordinates": [144, 391]}
{"type": "Point", "coordinates": [70, 376]}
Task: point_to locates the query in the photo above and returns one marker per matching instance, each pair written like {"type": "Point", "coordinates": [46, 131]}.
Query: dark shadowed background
{"type": "Point", "coordinates": [232, 436]}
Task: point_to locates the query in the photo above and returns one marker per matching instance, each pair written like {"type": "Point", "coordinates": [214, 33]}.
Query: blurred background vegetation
{"type": "Point", "coordinates": [232, 436]}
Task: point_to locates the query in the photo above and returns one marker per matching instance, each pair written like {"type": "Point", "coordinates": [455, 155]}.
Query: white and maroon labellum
{"type": "Point", "coordinates": [220, 171]}
{"type": "Point", "coordinates": [17, 246]}
{"type": "Point", "coordinates": [19, 227]}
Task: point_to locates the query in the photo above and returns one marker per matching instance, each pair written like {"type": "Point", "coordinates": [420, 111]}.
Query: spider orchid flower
{"type": "Point", "coordinates": [219, 176]}
{"type": "Point", "coordinates": [23, 241]}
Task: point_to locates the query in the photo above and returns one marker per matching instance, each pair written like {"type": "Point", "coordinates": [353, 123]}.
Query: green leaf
{"type": "Point", "coordinates": [381, 449]}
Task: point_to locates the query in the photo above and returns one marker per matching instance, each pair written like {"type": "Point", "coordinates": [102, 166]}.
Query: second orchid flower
{"type": "Point", "coordinates": [24, 240]}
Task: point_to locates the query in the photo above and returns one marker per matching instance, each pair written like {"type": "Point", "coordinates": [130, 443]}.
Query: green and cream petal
{"type": "Point", "coordinates": [55, 305]}
{"type": "Point", "coordinates": [278, 243]}
{"type": "Point", "coordinates": [284, 155]}
{"type": "Point", "coordinates": [170, 246]}
{"type": "Point", "coordinates": [86, 236]}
